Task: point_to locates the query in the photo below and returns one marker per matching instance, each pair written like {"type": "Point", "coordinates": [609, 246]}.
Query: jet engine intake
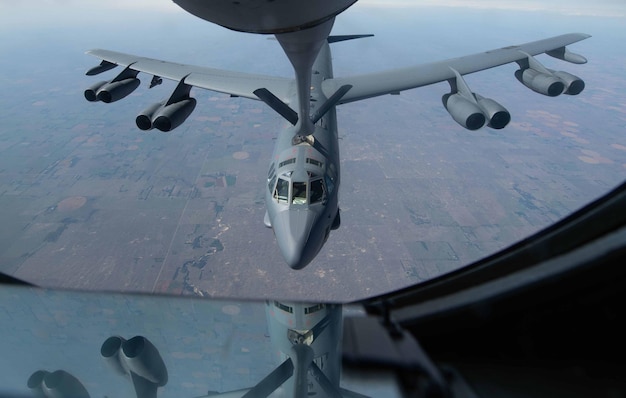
{"type": "Point", "coordinates": [574, 85]}
{"type": "Point", "coordinates": [144, 359]}
{"type": "Point", "coordinates": [497, 115]}
{"type": "Point", "coordinates": [173, 115]}
{"type": "Point", "coordinates": [144, 119]}
{"type": "Point", "coordinates": [116, 90]}
{"type": "Point", "coordinates": [137, 355]}
{"type": "Point", "coordinates": [542, 83]}
{"type": "Point", "coordinates": [165, 117]}
{"type": "Point", "coordinates": [110, 351]}
{"type": "Point", "coordinates": [91, 94]}
{"type": "Point", "coordinates": [463, 111]}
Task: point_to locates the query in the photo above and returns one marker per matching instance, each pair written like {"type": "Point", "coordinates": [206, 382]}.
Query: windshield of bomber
{"type": "Point", "coordinates": [281, 193]}
{"type": "Point", "coordinates": [298, 195]}
{"type": "Point", "coordinates": [317, 190]}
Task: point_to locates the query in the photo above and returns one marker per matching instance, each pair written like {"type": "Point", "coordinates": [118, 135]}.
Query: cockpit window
{"type": "Point", "coordinates": [314, 162]}
{"type": "Point", "coordinates": [283, 307]}
{"type": "Point", "coordinates": [286, 162]}
{"type": "Point", "coordinates": [281, 193]}
{"type": "Point", "coordinates": [270, 184]}
{"type": "Point", "coordinates": [329, 183]}
{"type": "Point", "coordinates": [298, 195]}
{"type": "Point", "coordinates": [313, 309]}
{"type": "Point", "coordinates": [272, 170]}
{"type": "Point", "coordinates": [317, 190]}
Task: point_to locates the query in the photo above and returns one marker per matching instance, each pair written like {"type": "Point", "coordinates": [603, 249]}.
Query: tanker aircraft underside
{"type": "Point", "coordinates": [303, 178]}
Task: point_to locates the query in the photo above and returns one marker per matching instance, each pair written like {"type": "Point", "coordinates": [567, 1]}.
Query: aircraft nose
{"type": "Point", "coordinates": [294, 256]}
{"type": "Point", "coordinates": [293, 228]}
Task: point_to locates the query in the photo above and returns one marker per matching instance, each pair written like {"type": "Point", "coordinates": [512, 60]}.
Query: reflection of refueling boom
{"type": "Point", "coordinates": [307, 338]}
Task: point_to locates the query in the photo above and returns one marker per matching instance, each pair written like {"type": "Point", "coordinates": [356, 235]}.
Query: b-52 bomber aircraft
{"type": "Point", "coordinates": [304, 174]}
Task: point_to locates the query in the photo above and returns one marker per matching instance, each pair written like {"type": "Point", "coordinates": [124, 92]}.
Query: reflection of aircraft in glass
{"type": "Point", "coordinates": [304, 176]}
{"type": "Point", "coordinates": [542, 318]}
{"type": "Point", "coordinates": [306, 337]}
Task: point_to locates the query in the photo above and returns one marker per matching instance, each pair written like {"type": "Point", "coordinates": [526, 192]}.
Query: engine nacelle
{"type": "Point", "coordinates": [110, 351]}
{"type": "Point", "coordinates": [91, 94]}
{"type": "Point", "coordinates": [137, 355]}
{"type": "Point", "coordinates": [114, 91]}
{"type": "Point", "coordinates": [539, 82]}
{"type": "Point", "coordinates": [57, 384]}
{"type": "Point", "coordinates": [137, 358]}
{"type": "Point", "coordinates": [144, 359]}
{"type": "Point", "coordinates": [497, 115]}
{"type": "Point", "coordinates": [173, 115]}
{"type": "Point", "coordinates": [574, 85]}
{"type": "Point", "coordinates": [144, 119]}
{"type": "Point", "coordinates": [463, 111]}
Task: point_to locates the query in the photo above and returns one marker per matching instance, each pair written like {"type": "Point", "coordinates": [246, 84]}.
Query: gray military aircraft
{"type": "Point", "coordinates": [304, 176]}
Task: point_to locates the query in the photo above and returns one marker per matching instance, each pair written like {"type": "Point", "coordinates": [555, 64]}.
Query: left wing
{"type": "Point", "coordinates": [173, 111]}
{"type": "Point", "coordinates": [234, 83]}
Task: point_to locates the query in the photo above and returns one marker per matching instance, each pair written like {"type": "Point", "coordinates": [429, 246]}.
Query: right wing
{"type": "Point", "coordinates": [394, 81]}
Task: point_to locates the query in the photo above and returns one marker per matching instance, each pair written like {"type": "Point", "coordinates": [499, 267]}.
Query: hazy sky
{"type": "Point", "coordinates": [614, 8]}
{"type": "Point", "coordinates": [607, 8]}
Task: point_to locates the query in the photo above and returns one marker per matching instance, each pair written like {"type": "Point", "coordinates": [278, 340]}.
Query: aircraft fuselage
{"type": "Point", "coordinates": [303, 177]}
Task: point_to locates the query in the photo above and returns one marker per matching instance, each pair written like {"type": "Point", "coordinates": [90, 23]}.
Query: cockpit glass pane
{"type": "Point", "coordinates": [329, 183]}
{"type": "Point", "coordinates": [282, 190]}
{"type": "Point", "coordinates": [299, 193]}
{"type": "Point", "coordinates": [271, 183]}
{"type": "Point", "coordinates": [286, 162]}
{"type": "Point", "coordinates": [317, 191]}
